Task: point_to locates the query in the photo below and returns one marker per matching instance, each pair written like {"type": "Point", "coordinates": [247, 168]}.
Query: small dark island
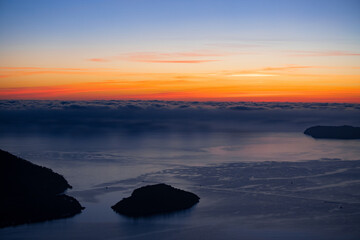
{"type": "Point", "coordinates": [31, 193]}
{"type": "Point", "coordinates": [334, 132]}
{"type": "Point", "coordinates": [155, 199]}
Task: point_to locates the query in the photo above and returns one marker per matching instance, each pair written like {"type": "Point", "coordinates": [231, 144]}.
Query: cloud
{"type": "Point", "coordinates": [289, 67]}
{"type": "Point", "coordinates": [35, 92]}
{"type": "Point", "coordinates": [245, 108]}
{"type": "Point", "coordinates": [98, 60]}
{"type": "Point", "coordinates": [277, 71]}
{"type": "Point", "coordinates": [235, 45]}
{"type": "Point", "coordinates": [28, 71]}
{"type": "Point", "coordinates": [177, 57]}
{"type": "Point", "coordinates": [252, 75]}
{"type": "Point", "coordinates": [173, 105]}
{"type": "Point", "coordinates": [323, 53]}
{"type": "Point", "coordinates": [161, 57]}
{"type": "Point", "coordinates": [40, 68]}
{"type": "Point", "coordinates": [126, 89]}
{"type": "Point", "coordinates": [177, 61]}
{"type": "Point", "coordinates": [139, 115]}
{"type": "Point", "coordinates": [267, 71]}
{"type": "Point", "coordinates": [44, 92]}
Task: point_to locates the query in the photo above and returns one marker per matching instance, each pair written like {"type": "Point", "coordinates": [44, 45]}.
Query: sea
{"type": "Point", "coordinates": [257, 174]}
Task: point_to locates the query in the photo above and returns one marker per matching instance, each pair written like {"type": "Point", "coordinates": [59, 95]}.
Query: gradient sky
{"type": "Point", "coordinates": [181, 50]}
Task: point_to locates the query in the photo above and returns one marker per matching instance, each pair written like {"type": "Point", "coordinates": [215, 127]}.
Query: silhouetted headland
{"type": "Point", "coordinates": [31, 193]}
{"type": "Point", "coordinates": [155, 199]}
{"type": "Point", "coordinates": [334, 132]}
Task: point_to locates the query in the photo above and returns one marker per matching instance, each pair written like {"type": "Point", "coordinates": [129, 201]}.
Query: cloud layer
{"type": "Point", "coordinates": [163, 57]}
{"type": "Point", "coordinates": [138, 115]}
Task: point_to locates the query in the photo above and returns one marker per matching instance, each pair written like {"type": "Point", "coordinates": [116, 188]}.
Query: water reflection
{"type": "Point", "coordinates": [105, 168]}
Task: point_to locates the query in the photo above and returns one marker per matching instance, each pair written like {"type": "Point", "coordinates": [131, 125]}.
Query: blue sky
{"type": "Point", "coordinates": [92, 21]}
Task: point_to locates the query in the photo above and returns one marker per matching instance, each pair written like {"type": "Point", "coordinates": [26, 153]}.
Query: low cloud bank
{"type": "Point", "coordinates": [137, 116]}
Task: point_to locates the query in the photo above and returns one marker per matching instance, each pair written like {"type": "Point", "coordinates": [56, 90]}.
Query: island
{"type": "Point", "coordinates": [31, 193]}
{"type": "Point", "coordinates": [155, 199]}
{"type": "Point", "coordinates": [334, 132]}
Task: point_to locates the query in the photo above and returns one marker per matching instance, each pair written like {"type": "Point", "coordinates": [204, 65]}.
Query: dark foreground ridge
{"type": "Point", "coordinates": [31, 193]}
{"type": "Point", "coordinates": [155, 199]}
{"type": "Point", "coordinates": [334, 132]}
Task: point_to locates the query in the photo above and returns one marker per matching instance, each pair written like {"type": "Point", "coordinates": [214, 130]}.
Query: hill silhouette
{"type": "Point", "coordinates": [31, 193]}
{"type": "Point", "coordinates": [334, 132]}
{"type": "Point", "coordinates": [155, 199]}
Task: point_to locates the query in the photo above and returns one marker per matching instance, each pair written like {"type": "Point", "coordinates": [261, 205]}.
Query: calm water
{"type": "Point", "coordinates": [104, 168]}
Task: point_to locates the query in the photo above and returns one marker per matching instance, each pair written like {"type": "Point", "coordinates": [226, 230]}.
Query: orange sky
{"type": "Point", "coordinates": [273, 83]}
{"type": "Point", "coordinates": [306, 51]}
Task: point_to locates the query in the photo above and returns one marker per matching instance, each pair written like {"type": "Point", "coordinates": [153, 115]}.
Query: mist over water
{"type": "Point", "coordinates": [245, 160]}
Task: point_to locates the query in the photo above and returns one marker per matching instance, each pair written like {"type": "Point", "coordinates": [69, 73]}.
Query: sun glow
{"type": "Point", "coordinates": [279, 84]}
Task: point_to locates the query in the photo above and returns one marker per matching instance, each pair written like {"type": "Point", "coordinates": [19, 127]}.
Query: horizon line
{"type": "Point", "coordinates": [174, 100]}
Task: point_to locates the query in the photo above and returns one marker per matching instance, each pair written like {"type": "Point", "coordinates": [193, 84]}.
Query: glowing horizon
{"type": "Point", "coordinates": [308, 52]}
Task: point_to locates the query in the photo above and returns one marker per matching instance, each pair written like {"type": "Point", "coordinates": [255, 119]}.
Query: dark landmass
{"type": "Point", "coordinates": [334, 132]}
{"type": "Point", "coordinates": [155, 199]}
{"type": "Point", "coordinates": [31, 193]}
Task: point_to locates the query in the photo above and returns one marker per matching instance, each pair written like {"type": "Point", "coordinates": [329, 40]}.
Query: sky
{"type": "Point", "coordinates": [250, 50]}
